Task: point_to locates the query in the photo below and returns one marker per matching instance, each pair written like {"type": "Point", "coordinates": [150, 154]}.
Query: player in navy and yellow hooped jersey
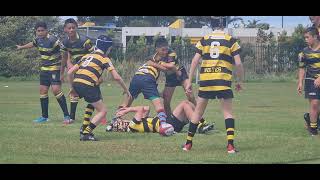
{"type": "Point", "coordinates": [50, 74]}
{"type": "Point", "coordinates": [142, 122]}
{"type": "Point", "coordinates": [173, 79]}
{"type": "Point", "coordinates": [309, 71]}
{"type": "Point", "coordinates": [220, 53]}
{"type": "Point", "coordinates": [145, 81]}
{"type": "Point", "coordinates": [86, 83]}
{"type": "Point", "coordinates": [74, 47]}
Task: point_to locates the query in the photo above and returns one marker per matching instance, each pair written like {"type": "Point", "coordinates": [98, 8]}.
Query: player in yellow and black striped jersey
{"type": "Point", "coordinates": [142, 122]}
{"type": "Point", "coordinates": [220, 53]}
{"type": "Point", "coordinates": [309, 70]}
{"type": "Point", "coordinates": [49, 48]}
{"type": "Point", "coordinates": [145, 81]}
{"type": "Point", "coordinates": [86, 83]}
{"type": "Point", "coordinates": [174, 78]}
{"type": "Point", "coordinates": [74, 47]}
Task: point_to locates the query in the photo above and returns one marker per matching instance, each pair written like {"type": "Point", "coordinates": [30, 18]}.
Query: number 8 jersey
{"type": "Point", "coordinates": [217, 50]}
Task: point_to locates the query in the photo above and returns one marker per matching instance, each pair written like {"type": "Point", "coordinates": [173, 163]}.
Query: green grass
{"type": "Point", "coordinates": [269, 129]}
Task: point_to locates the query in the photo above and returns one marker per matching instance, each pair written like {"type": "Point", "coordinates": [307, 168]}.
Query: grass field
{"type": "Point", "coordinates": [269, 129]}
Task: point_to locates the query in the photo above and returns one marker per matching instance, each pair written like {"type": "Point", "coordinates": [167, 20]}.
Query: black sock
{"type": "Point", "coordinates": [230, 130]}
{"type": "Point", "coordinates": [44, 101]}
{"type": "Point", "coordinates": [73, 107]}
{"type": "Point", "coordinates": [191, 132]}
{"type": "Point", "coordinates": [63, 103]}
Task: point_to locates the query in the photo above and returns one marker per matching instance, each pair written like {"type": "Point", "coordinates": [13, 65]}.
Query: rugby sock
{"type": "Point", "coordinates": [230, 130]}
{"type": "Point", "coordinates": [44, 100]}
{"type": "Point", "coordinates": [87, 116]}
{"type": "Point", "coordinates": [73, 107]}
{"type": "Point", "coordinates": [313, 125]}
{"type": "Point", "coordinates": [202, 121]}
{"type": "Point", "coordinates": [63, 103]}
{"type": "Point", "coordinates": [162, 116]}
{"type": "Point", "coordinates": [89, 129]}
{"type": "Point", "coordinates": [191, 132]}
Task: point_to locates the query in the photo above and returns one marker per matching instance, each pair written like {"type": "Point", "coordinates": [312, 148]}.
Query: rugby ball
{"type": "Point", "coordinates": [166, 129]}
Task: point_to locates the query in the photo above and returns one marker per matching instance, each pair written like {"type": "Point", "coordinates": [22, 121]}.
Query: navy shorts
{"type": "Point", "coordinates": [223, 94]}
{"type": "Point", "coordinates": [177, 125]}
{"type": "Point", "coordinates": [173, 80]}
{"type": "Point", "coordinates": [144, 84]}
{"type": "Point", "coordinates": [48, 78]}
{"type": "Point", "coordinates": [311, 92]}
{"type": "Point", "coordinates": [91, 94]}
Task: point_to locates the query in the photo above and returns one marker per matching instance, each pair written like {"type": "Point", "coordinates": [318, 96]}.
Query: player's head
{"type": "Point", "coordinates": [311, 35]}
{"type": "Point", "coordinates": [41, 29]}
{"type": "Point", "coordinates": [70, 27]}
{"type": "Point", "coordinates": [104, 43]}
{"type": "Point", "coordinates": [218, 22]}
{"type": "Point", "coordinates": [162, 46]}
{"type": "Point", "coordinates": [315, 20]}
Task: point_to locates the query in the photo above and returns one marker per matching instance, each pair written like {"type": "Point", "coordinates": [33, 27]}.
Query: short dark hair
{"type": "Point", "coordinates": [70, 20]}
{"type": "Point", "coordinates": [313, 31]}
{"type": "Point", "coordinates": [218, 22]}
{"type": "Point", "coordinates": [40, 24]}
{"type": "Point", "coordinates": [161, 42]}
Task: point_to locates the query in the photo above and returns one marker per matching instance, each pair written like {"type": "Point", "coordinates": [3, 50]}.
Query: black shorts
{"type": "Point", "coordinates": [223, 94]}
{"type": "Point", "coordinates": [177, 125]}
{"type": "Point", "coordinates": [48, 78]}
{"type": "Point", "coordinates": [91, 94]}
{"type": "Point", "coordinates": [144, 84]}
{"type": "Point", "coordinates": [311, 92]}
{"type": "Point", "coordinates": [173, 80]}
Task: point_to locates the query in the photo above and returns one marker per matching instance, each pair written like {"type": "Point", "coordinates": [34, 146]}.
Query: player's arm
{"type": "Point", "coordinates": [194, 64]}
{"type": "Point", "coordinates": [63, 64]}
{"type": "Point", "coordinates": [119, 79]}
{"type": "Point", "coordinates": [26, 46]}
{"type": "Point", "coordinates": [301, 73]}
{"type": "Point", "coordinates": [239, 72]}
{"type": "Point", "coordinates": [156, 65]}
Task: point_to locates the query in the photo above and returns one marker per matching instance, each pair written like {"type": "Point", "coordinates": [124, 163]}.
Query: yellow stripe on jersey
{"type": "Point", "coordinates": [235, 47]}
{"type": "Point", "coordinates": [50, 58]}
{"type": "Point", "coordinates": [88, 73]}
{"type": "Point", "coordinates": [312, 55]}
{"type": "Point", "coordinates": [212, 76]}
{"type": "Point", "coordinates": [50, 68]}
{"type": "Point", "coordinates": [316, 65]}
{"type": "Point", "coordinates": [83, 81]}
{"type": "Point", "coordinates": [214, 63]}
{"type": "Point", "coordinates": [214, 88]}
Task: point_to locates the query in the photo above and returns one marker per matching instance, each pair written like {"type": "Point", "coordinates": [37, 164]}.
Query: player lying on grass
{"type": "Point", "coordinates": [142, 122]}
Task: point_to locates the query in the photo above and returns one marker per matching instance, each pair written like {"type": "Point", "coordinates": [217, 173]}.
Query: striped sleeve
{"type": "Point", "coordinates": [34, 42]}
{"type": "Point", "coordinates": [235, 47]}
{"type": "Point", "coordinates": [199, 46]}
{"type": "Point", "coordinates": [107, 64]}
{"type": "Point", "coordinates": [88, 45]}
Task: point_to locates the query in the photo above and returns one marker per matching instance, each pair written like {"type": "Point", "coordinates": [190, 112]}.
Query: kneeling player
{"type": "Point", "coordinates": [142, 122]}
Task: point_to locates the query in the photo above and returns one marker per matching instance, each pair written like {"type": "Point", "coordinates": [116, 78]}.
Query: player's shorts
{"type": "Point", "coordinates": [311, 92]}
{"type": "Point", "coordinates": [144, 84]}
{"type": "Point", "coordinates": [223, 94]}
{"type": "Point", "coordinates": [173, 80]}
{"type": "Point", "coordinates": [48, 78]}
{"type": "Point", "coordinates": [177, 125]}
{"type": "Point", "coordinates": [91, 94]}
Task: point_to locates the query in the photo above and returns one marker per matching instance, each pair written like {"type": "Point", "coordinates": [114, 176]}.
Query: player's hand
{"type": "Point", "coordinates": [72, 93]}
{"type": "Point", "coordinates": [120, 112]}
{"type": "Point", "coordinates": [100, 81]}
{"type": "Point", "coordinates": [317, 83]}
{"type": "Point", "coordinates": [239, 87]}
{"type": "Point", "coordinates": [188, 87]}
{"type": "Point", "coordinates": [18, 47]}
{"type": "Point", "coordinates": [69, 65]}
{"type": "Point", "coordinates": [299, 88]}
